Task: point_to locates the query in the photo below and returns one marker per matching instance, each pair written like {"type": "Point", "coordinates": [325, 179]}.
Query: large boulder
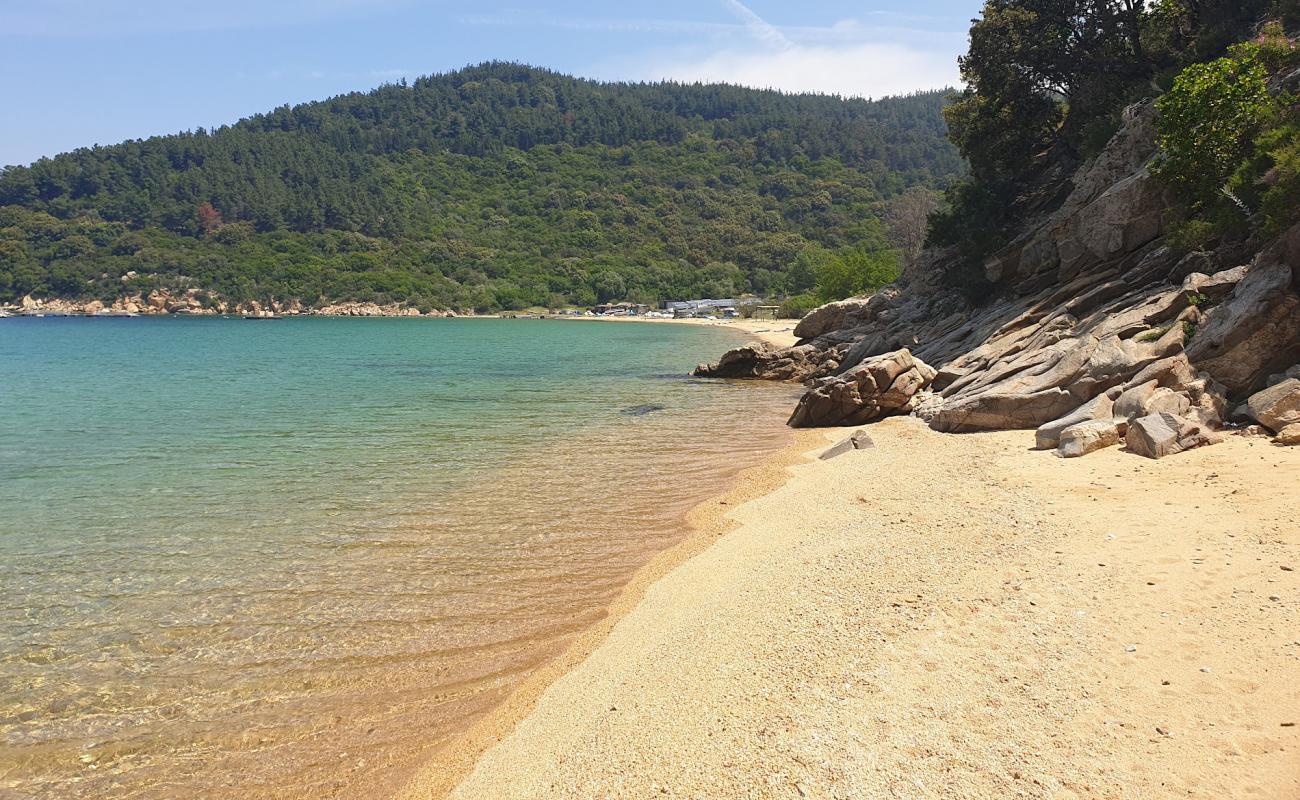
{"type": "Point", "coordinates": [1091, 436]}
{"type": "Point", "coordinates": [1276, 407]}
{"type": "Point", "coordinates": [1160, 435]}
{"type": "Point", "coordinates": [830, 317]}
{"type": "Point", "coordinates": [878, 387]}
{"type": "Point", "coordinates": [1289, 436]}
{"type": "Point", "coordinates": [1101, 407]}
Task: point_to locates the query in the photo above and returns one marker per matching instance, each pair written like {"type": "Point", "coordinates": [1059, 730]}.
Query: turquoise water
{"type": "Point", "coordinates": [292, 558]}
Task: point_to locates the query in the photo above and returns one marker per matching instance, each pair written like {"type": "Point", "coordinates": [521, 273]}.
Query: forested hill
{"type": "Point", "coordinates": [497, 186]}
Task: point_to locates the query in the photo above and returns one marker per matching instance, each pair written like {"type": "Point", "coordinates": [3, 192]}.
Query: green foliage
{"type": "Point", "coordinates": [855, 272]}
{"type": "Point", "coordinates": [1046, 82]}
{"type": "Point", "coordinates": [1208, 122]}
{"type": "Point", "coordinates": [798, 306]}
{"type": "Point", "coordinates": [1230, 142]}
{"type": "Point", "coordinates": [1156, 334]}
{"type": "Point", "coordinates": [499, 186]}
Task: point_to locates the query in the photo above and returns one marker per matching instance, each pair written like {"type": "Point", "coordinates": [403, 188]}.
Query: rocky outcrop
{"type": "Point", "coordinates": [1090, 308]}
{"type": "Point", "coordinates": [767, 362]}
{"type": "Point", "coordinates": [370, 310]}
{"type": "Point", "coordinates": [193, 301]}
{"type": "Point", "coordinates": [878, 387]}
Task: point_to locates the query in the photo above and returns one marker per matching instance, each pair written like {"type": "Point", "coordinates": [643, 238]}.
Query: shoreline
{"type": "Point", "coordinates": [779, 332]}
{"type": "Point", "coordinates": [776, 332]}
{"type": "Point", "coordinates": [976, 620]}
{"type": "Point", "coordinates": [704, 524]}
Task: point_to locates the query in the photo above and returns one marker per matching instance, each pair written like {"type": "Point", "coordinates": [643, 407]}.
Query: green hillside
{"type": "Point", "coordinates": [498, 186]}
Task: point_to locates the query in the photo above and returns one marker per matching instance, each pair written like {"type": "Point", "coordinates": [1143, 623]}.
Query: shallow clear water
{"type": "Point", "coordinates": [290, 559]}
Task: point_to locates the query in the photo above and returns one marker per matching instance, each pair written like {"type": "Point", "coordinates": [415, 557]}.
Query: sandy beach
{"type": "Point", "coordinates": [940, 616]}
{"type": "Point", "coordinates": [779, 332]}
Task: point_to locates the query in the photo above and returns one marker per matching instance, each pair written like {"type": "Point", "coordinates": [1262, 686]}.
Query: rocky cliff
{"type": "Point", "coordinates": [1096, 321]}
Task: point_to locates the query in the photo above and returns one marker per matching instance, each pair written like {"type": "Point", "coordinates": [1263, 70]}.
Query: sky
{"type": "Point", "coordinates": [80, 72]}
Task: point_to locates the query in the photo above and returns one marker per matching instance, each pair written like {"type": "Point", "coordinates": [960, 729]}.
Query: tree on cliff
{"type": "Point", "coordinates": [1046, 80]}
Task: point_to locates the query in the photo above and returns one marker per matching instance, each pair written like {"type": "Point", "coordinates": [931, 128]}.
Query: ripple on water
{"type": "Point", "coordinates": [242, 563]}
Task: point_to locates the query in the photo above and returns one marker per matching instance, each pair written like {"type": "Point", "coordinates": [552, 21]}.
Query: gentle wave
{"type": "Point", "coordinates": [292, 563]}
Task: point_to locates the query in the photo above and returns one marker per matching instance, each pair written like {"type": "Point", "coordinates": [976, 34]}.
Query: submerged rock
{"type": "Point", "coordinates": [641, 411]}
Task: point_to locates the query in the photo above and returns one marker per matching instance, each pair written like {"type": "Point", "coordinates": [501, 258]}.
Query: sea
{"type": "Point", "coordinates": [295, 558]}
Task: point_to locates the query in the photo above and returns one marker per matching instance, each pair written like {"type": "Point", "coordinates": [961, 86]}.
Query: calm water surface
{"type": "Point", "coordinates": [290, 559]}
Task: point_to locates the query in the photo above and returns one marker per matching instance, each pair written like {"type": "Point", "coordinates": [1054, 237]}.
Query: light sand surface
{"type": "Point", "coordinates": [949, 616]}
{"type": "Point", "coordinates": [779, 332]}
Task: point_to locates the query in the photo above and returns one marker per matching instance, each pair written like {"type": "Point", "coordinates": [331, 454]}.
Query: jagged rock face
{"type": "Point", "coordinates": [1092, 307]}
{"type": "Point", "coordinates": [1255, 331]}
{"type": "Point", "coordinates": [876, 388]}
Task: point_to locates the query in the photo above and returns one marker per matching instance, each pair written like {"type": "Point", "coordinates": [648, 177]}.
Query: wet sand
{"type": "Point", "coordinates": [940, 616]}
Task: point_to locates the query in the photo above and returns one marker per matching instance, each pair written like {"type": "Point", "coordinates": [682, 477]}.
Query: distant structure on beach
{"type": "Point", "coordinates": [620, 309]}
{"type": "Point", "coordinates": [695, 308]}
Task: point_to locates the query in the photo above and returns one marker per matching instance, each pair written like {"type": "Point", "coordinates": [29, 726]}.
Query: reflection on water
{"type": "Point", "coordinates": [249, 563]}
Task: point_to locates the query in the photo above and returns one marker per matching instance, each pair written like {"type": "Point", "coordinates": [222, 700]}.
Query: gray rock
{"type": "Point", "coordinates": [829, 317]}
{"type": "Point", "coordinates": [1276, 407]}
{"type": "Point", "coordinates": [1160, 435]}
{"type": "Point", "coordinates": [1048, 436]}
{"type": "Point", "coordinates": [858, 441]}
{"type": "Point", "coordinates": [1256, 330]}
{"type": "Point", "coordinates": [1091, 436]}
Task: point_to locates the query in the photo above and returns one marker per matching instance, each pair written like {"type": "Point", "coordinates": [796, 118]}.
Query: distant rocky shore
{"type": "Point", "coordinates": [1100, 332]}
{"type": "Point", "coordinates": [161, 302]}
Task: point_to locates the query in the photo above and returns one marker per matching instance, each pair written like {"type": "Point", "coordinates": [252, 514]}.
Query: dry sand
{"type": "Point", "coordinates": [942, 616]}
{"type": "Point", "coordinates": [779, 332]}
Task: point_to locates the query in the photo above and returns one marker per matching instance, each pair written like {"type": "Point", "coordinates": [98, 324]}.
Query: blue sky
{"type": "Point", "coordinates": [80, 72]}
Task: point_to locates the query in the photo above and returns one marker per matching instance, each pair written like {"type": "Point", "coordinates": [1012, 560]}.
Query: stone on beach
{"type": "Point", "coordinates": [1276, 407]}
{"type": "Point", "coordinates": [1164, 434]}
{"type": "Point", "coordinates": [1290, 435]}
{"type": "Point", "coordinates": [1100, 407]}
{"type": "Point", "coordinates": [858, 441]}
{"type": "Point", "coordinates": [1090, 436]}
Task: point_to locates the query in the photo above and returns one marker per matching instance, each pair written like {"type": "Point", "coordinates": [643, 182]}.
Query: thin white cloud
{"type": "Point", "coordinates": [859, 70]}
{"type": "Point", "coordinates": [842, 31]}
{"type": "Point", "coordinates": [759, 27]}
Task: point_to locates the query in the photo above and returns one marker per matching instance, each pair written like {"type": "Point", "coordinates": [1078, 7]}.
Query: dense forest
{"type": "Point", "coordinates": [497, 186]}
{"type": "Point", "coordinates": [1047, 82]}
